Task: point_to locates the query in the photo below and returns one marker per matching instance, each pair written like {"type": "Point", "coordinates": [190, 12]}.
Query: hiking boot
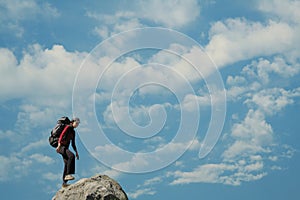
{"type": "Point", "coordinates": [65, 185]}
{"type": "Point", "coordinates": [69, 177]}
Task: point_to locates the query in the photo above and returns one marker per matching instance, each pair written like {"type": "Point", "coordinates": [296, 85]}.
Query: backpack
{"type": "Point", "coordinates": [57, 130]}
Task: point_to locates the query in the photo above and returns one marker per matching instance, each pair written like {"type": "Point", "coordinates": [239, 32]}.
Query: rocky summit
{"type": "Point", "coordinates": [99, 187]}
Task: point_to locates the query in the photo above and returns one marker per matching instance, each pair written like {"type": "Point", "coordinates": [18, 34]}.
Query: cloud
{"type": "Point", "coordinates": [250, 149]}
{"type": "Point", "coordinates": [164, 68]}
{"type": "Point", "coordinates": [20, 10]}
{"type": "Point", "coordinates": [241, 160]}
{"type": "Point", "coordinates": [256, 77]}
{"type": "Point", "coordinates": [265, 69]}
{"type": "Point", "coordinates": [17, 165]}
{"type": "Point", "coordinates": [15, 12]}
{"type": "Point", "coordinates": [167, 13]}
{"type": "Point", "coordinates": [192, 102]}
{"type": "Point", "coordinates": [139, 192]}
{"type": "Point", "coordinates": [152, 181]}
{"type": "Point", "coordinates": [41, 83]}
{"type": "Point", "coordinates": [237, 39]}
{"type": "Point", "coordinates": [51, 176]}
{"type": "Point", "coordinates": [251, 166]}
{"type": "Point", "coordinates": [138, 162]}
{"type": "Point", "coordinates": [253, 136]}
{"type": "Point", "coordinates": [146, 188]}
{"type": "Point", "coordinates": [242, 149]}
{"type": "Point", "coordinates": [43, 76]}
{"type": "Point", "coordinates": [34, 146]}
{"type": "Point", "coordinates": [40, 158]}
{"type": "Point", "coordinates": [20, 156]}
{"type": "Point", "coordinates": [113, 24]}
{"type": "Point", "coordinates": [12, 164]}
{"type": "Point", "coordinates": [273, 100]}
{"type": "Point", "coordinates": [240, 39]}
{"type": "Point", "coordinates": [8, 134]}
{"type": "Point", "coordinates": [238, 87]}
{"type": "Point", "coordinates": [254, 129]}
{"type": "Point", "coordinates": [229, 174]}
{"type": "Point", "coordinates": [283, 10]}
{"type": "Point", "coordinates": [140, 121]}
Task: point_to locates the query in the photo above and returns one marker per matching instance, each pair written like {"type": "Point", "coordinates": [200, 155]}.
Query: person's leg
{"type": "Point", "coordinates": [70, 162]}
{"type": "Point", "coordinates": [65, 159]}
{"type": "Point", "coordinates": [65, 171]}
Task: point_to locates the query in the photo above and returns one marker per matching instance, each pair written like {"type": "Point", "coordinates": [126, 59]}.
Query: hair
{"type": "Point", "coordinates": [75, 119]}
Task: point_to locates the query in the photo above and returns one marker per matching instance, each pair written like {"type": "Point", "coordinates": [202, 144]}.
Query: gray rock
{"type": "Point", "coordinates": [99, 187]}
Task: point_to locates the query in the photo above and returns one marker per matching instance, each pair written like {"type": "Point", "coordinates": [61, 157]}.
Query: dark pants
{"type": "Point", "coordinates": [69, 161]}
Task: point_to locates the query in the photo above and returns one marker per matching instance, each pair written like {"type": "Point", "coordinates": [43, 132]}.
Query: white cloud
{"type": "Point", "coordinates": [239, 39]}
{"type": "Point", "coordinates": [14, 12]}
{"type": "Point", "coordinates": [255, 78]}
{"type": "Point", "coordinates": [237, 80]}
{"type": "Point", "coordinates": [238, 92]}
{"type": "Point", "coordinates": [138, 162]}
{"type": "Point", "coordinates": [20, 10]}
{"type": "Point", "coordinates": [152, 181]}
{"type": "Point", "coordinates": [229, 174]}
{"type": "Point", "coordinates": [34, 145]}
{"type": "Point", "coordinates": [168, 56]}
{"type": "Point", "coordinates": [12, 164]}
{"type": "Point", "coordinates": [113, 24]}
{"type": "Point", "coordinates": [271, 101]}
{"type": "Point", "coordinates": [155, 140]}
{"type": "Point", "coordinates": [40, 158]}
{"type": "Point", "coordinates": [286, 12]}
{"type": "Point", "coordinates": [17, 165]}
{"type": "Point", "coordinates": [175, 75]}
{"type": "Point", "coordinates": [42, 80]}
{"type": "Point", "coordinates": [139, 192]}
{"type": "Point", "coordinates": [146, 188]}
{"type": "Point", "coordinates": [97, 168]}
{"type": "Point", "coordinates": [206, 173]}
{"type": "Point", "coordinates": [247, 157]}
{"type": "Point", "coordinates": [242, 149]}
{"type": "Point", "coordinates": [5, 166]}
{"type": "Point", "coordinates": [51, 176]}
{"type": "Point", "coordinates": [44, 77]}
{"type": "Point", "coordinates": [283, 10]}
{"type": "Point", "coordinates": [8, 134]}
{"type": "Point", "coordinates": [254, 129]}
{"type": "Point", "coordinates": [195, 64]}
{"type": "Point", "coordinates": [264, 69]}
{"type": "Point", "coordinates": [142, 121]}
{"type": "Point", "coordinates": [168, 13]}
{"type": "Point", "coordinates": [193, 102]}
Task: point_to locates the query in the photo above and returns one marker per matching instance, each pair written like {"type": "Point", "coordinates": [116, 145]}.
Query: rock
{"type": "Point", "coordinates": [99, 187]}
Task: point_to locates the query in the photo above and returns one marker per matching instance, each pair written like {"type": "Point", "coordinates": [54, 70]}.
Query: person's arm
{"type": "Point", "coordinates": [74, 147]}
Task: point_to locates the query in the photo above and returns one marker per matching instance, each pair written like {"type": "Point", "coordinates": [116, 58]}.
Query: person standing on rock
{"type": "Point", "coordinates": [66, 137]}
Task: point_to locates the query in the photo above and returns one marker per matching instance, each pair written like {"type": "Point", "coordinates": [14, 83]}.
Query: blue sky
{"type": "Point", "coordinates": [147, 97]}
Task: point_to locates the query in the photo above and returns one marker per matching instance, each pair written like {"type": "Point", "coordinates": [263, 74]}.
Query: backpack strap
{"type": "Point", "coordinates": [63, 133]}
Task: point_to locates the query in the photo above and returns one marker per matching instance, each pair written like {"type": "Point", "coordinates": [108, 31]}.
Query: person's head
{"type": "Point", "coordinates": [75, 122]}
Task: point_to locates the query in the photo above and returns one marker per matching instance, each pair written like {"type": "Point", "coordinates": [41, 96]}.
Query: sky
{"type": "Point", "coordinates": [177, 99]}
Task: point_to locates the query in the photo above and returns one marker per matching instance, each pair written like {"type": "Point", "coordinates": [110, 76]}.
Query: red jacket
{"type": "Point", "coordinates": [67, 135]}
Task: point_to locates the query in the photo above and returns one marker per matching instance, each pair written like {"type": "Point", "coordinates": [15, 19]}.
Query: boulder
{"type": "Point", "coordinates": [99, 187]}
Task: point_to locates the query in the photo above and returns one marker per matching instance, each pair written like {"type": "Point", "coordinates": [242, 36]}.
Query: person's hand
{"type": "Point", "coordinates": [77, 156]}
{"type": "Point", "coordinates": [58, 148]}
